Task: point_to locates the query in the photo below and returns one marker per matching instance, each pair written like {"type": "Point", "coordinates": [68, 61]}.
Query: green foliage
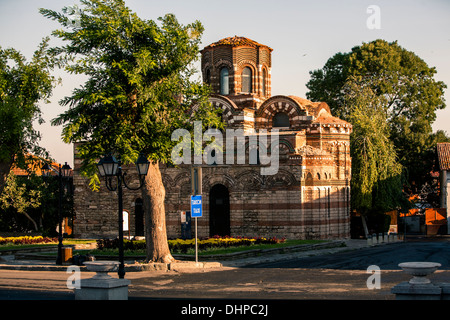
{"type": "Point", "coordinates": [26, 240]}
{"type": "Point", "coordinates": [405, 84]}
{"type": "Point", "coordinates": [182, 246]}
{"type": "Point", "coordinates": [31, 204]}
{"type": "Point", "coordinates": [22, 86]}
{"type": "Point", "coordinates": [377, 177]}
{"type": "Point", "coordinates": [18, 196]}
{"type": "Point", "coordinates": [139, 87]}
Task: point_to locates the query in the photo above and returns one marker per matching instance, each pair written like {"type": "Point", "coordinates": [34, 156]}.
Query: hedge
{"type": "Point", "coordinates": [182, 246]}
{"type": "Point", "coordinates": [27, 240]}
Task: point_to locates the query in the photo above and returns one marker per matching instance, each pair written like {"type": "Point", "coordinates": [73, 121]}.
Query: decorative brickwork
{"type": "Point", "coordinates": [309, 196]}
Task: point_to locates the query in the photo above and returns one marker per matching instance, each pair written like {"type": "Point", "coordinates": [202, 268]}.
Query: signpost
{"type": "Point", "coordinates": [196, 206]}
{"type": "Point", "coordinates": [196, 201]}
{"type": "Point", "coordinates": [196, 212]}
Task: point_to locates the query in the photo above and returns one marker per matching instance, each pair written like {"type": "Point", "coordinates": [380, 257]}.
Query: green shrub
{"type": "Point", "coordinates": [182, 246]}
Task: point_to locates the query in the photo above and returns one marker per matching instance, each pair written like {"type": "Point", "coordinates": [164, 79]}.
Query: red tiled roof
{"type": "Point", "coordinates": [313, 108]}
{"type": "Point", "coordinates": [328, 119]}
{"type": "Point", "coordinates": [34, 166]}
{"type": "Point", "coordinates": [320, 110]}
{"type": "Point", "coordinates": [443, 151]}
{"type": "Point", "coordinates": [236, 42]}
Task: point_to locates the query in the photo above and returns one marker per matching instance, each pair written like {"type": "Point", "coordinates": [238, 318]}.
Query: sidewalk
{"type": "Point", "coordinates": [9, 262]}
{"type": "Point", "coordinates": [187, 282]}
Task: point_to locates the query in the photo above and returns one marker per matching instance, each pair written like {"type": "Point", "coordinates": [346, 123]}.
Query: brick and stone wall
{"type": "Point", "coordinates": [309, 196]}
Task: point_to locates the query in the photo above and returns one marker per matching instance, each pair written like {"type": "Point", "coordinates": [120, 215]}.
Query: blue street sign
{"type": "Point", "coordinates": [196, 206]}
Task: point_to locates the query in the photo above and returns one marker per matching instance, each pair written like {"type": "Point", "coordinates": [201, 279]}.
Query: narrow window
{"type": "Point", "coordinates": [264, 79]}
{"type": "Point", "coordinates": [224, 82]}
{"type": "Point", "coordinates": [208, 76]}
{"type": "Point", "coordinates": [247, 80]}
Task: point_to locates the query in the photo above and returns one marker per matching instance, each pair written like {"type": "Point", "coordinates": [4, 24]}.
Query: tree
{"type": "Point", "coordinates": [22, 86]}
{"type": "Point", "coordinates": [406, 83]}
{"type": "Point", "coordinates": [139, 90]}
{"type": "Point", "coordinates": [377, 176]}
{"type": "Point", "coordinates": [30, 203]}
{"type": "Point", "coordinates": [18, 196]}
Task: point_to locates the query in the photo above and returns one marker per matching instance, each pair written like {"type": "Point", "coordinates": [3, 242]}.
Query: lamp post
{"type": "Point", "coordinates": [63, 172]}
{"type": "Point", "coordinates": [109, 168]}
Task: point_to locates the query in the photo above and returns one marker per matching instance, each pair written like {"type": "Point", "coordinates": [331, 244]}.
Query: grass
{"type": "Point", "coordinates": [191, 252]}
{"type": "Point", "coordinates": [210, 251]}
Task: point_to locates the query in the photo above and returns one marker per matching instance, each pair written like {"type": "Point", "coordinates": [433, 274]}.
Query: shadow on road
{"type": "Point", "coordinates": [387, 257]}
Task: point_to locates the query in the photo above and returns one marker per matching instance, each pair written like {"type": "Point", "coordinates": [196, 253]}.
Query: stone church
{"type": "Point", "coordinates": [307, 198]}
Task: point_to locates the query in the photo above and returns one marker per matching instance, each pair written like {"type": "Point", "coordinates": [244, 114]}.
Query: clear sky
{"type": "Point", "coordinates": [303, 34]}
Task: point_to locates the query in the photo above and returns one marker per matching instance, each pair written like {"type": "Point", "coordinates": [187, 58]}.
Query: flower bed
{"type": "Point", "coordinates": [26, 240]}
{"type": "Point", "coordinates": [182, 246]}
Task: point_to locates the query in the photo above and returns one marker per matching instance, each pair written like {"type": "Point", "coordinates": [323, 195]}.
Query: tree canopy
{"type": "Point", "coordinates": [139, 88]}
{"type": "Point", "coordinates": [23, 85]}
{"type": "Point", "coordinates": [377, 176]}
{"type": "Point", "coordinates": [410, 96]}
{"type": "Point", "coordinates": [139, 91]}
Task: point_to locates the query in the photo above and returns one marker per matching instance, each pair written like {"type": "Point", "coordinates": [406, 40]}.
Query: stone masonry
{"type": "Point", "coordinates": [309, 196]}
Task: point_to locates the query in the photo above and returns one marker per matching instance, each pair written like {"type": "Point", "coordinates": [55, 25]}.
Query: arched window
{"type": "Point", "coordinates": [224, 81]}
{"type": "Point", "coordinates": [208, 76]}
{"type": "Point", "coordinates": [264, 79]}
{"type": "Point", "coordinates": [281, 119]}
{"type": "Point", "coordinates": [247, 80]}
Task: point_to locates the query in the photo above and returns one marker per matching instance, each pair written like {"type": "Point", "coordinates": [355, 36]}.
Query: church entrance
{"type": "Point", "coordinates": [219, 211]}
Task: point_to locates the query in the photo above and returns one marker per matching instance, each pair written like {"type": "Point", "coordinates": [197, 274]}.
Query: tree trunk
{"type": "Point", "coordinates": [153, 194]}
{"type": "Point", "coordinates": [36, 228]}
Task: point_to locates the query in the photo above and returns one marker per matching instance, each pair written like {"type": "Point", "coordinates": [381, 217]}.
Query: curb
{"type": "Point", "coordinates": [174, 266]}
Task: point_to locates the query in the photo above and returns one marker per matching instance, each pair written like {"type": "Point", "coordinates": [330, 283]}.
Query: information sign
{"type": "Point", "coordinates": [196, 206]}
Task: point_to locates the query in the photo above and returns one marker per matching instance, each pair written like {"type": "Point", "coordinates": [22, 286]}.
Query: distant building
{"type": "Point", "coordinates": [34, 166]}
{"type": "Point", "coordinates": [307, 198]}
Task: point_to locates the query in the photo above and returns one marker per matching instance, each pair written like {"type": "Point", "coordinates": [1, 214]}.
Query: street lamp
{"type": "Point", "coordinates": [109, 168]}
{"type": "Point", "coordinates": [63, 172]}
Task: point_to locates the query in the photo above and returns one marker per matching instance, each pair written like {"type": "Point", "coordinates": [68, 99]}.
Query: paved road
{"type": "Point", "coordinates": [327, 277]}
{"type": "Point", "coordinates": [387, 257]}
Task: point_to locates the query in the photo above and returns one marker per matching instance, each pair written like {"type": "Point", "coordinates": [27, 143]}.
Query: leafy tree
{"type": "Point", "coordinates": [377, 176]}
{"type": "Point", "coordinates": [441, 136]}
{"type": "Point", "coordinates": [16, 195]}
{"type": "Point", "coordinates": [30, 203]}
{"type": "Point", "coordinates": [22, 86]}
{"type": "Point", "coordinates": [139, 90]}
{"type": "Point", "coordinates": [406, 83]}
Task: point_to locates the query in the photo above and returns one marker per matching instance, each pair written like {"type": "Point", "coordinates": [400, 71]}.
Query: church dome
{"type": "Point", "coordinates": [237, 42]}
